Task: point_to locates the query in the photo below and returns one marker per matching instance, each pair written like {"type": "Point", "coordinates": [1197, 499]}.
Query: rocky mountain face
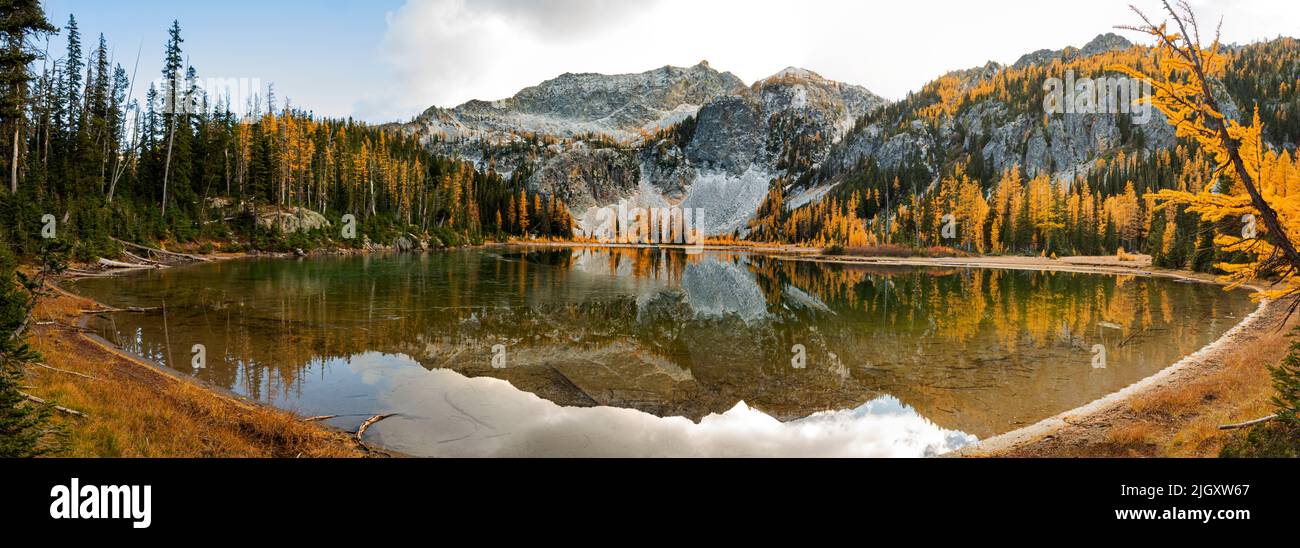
{"type": "Point", "coordinates": [781, 127]}
{"type": "Point", "coordinates": [1003, 134]}
{"type": "Point", "coordinates": [728, 144]}
{"type": "Point", "coordinates": [621, 106]}
{"type": "Point", "coordinates": [588, 139]}
{"type": "Point", "coordinates": [1101, 44]}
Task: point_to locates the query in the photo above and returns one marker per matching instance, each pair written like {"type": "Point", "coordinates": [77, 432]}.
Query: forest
{"type": "Point", "coordinates": [184, 167]}
{"type": "Point", "coordinates": [1110, 207]}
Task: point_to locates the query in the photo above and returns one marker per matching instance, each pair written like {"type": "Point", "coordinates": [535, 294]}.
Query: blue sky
{"type": "Point", "coordinates": [321, 54]}
{"type": "Point", "coordinates": [384, 60]}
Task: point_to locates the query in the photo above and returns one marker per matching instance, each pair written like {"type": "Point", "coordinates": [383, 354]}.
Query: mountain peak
{"type": "Point", "coordinates": [617, 105]}
{"type": "Point", "coordinates": [793, 73]}
{"type": "Point", "coordinates": [1103, 43]}
{"type": "Point", "coordinates": [1106, 42]}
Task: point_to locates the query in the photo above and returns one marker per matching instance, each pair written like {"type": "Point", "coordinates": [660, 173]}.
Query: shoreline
{"type": "Point", "coordinates": [134, 407]}
{"type": "Point", "coordinates": [1066, 428]}
{"type": "Point", "coordinates": [1043, 438]}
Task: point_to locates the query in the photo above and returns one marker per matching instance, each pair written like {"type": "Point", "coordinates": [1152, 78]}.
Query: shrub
{"type": "Point", "coordinates": [1281, 436]}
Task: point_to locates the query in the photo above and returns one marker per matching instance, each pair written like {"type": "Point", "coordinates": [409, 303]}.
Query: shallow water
{"type": "Point", "coordinates": [588, 352]}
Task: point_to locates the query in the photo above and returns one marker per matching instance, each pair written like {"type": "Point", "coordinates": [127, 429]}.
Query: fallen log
{"type": "Point", "coordinates": [1247, 424]}
{"type": "Point", "coordinates": [132, 309]}
{"type": "Point", "coordinates": [76, 273]}
{"type": "Point", "coordinates": [144, 260]}
{"type": "Point", "coordinates": [124, 266]}
{"type": "Point", "coordinates": [165, 253]}
{"type": "Point", "coordinates": [38, 364]}
{"type": "Point", "coordinates": [58, 408]}
{"type": "Point", "coordinates": [371, 422]}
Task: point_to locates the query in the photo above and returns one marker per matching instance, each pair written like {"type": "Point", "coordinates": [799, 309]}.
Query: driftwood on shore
{"type": "Point", "coordinates": [1247, 424]}
{"type": "Point", "coordinates": [164, 253]}
{"type": "Point", "coordinates": [132, 309]}
{"type": "Point", "coordinates": [371, 422]}
{"type": "Point", "coordinates": [138, 258]}
{"type": "Point", "coordinates": [119, 265]}
{"type": "Point", "coordinates": [78, 273]}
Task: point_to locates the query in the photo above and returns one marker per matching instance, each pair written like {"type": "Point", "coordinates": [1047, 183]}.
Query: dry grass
{"type": "Point", "coordinates": [1238, 392]}
{"type": "Point", "coordinates": [137, 411]}
{"type": "Point", "coordinates": [1183, 419]}
{"type": "Point", "coordinates": [1134, 438]}
{"type": "Point", "coordinates": [1181, 416]}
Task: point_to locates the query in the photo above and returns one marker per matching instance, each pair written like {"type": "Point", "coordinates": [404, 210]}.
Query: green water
{"type": "Point", "coordinates": [567, 352]}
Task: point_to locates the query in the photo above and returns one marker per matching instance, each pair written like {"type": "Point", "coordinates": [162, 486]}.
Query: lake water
{"type": "Point", "coordinates": [638, 352]}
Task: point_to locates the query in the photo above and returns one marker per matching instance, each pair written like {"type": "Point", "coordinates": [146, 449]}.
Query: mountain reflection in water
{"type": "Point", "coordinates": [650, 352]}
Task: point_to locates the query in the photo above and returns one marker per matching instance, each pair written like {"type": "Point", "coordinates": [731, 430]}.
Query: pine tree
{"type": "Point", "coordinates": [22, 424]}
{"type": "Point", "coordinates": [21, 21]}
{"type": "Point", "coordinates": [172, 81]}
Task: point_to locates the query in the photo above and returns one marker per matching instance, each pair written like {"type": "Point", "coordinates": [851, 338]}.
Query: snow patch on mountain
{"type": "Point", "coordinates": [646, 197]}
{"type": "Point", "coordinates": [808, 196]}
{"type": "Point", "coordinates": [726, 202]}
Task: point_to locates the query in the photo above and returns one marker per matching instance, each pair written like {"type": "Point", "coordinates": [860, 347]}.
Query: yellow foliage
{"type": "Point", "coordinates": [1182, 66]}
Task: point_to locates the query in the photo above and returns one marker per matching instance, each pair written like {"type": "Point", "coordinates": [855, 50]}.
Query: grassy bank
{"type": "Point", "coordinates": [1178, 415]}
{"type": "Point", "coordinates": [1183, 420]}
{"type": "Point", "coordinates": [135, 410]}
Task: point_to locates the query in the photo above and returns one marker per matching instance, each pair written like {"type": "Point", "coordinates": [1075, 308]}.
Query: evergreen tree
{"type": "Point", "coordinates": [21, 22]}
{"type": "Point", "coordinates": [172, 109]}
{"type": "Point", "coordinates": [23, 424]}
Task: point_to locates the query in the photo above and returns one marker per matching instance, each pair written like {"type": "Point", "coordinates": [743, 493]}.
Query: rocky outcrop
{"type": "Point", "coordinates": [1064, 145]}
{"type": "Point", "coordinates": [730, 135]}
{"type": "Point", "coordinates": [585, 177]}
{"type": "Point", "coordinates": [782, 126]}
{"type": "Point", "coordinates": [1103, 43]}
{"type": "Point", "coordinates": [619, 106]}
{"type": "Point", "coordinates": [291, 219]}
{"type": "Point", "coordinates": [739, 139]}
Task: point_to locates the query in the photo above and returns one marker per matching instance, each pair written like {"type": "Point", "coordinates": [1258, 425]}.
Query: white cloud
{"type": "Point", "coordinates": [446, 414]}
{"type": "Point", "coordinates": [444, 52]}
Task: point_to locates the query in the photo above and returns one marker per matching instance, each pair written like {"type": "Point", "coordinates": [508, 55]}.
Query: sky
{"type": "Point", "coordinates": [387, 60]}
